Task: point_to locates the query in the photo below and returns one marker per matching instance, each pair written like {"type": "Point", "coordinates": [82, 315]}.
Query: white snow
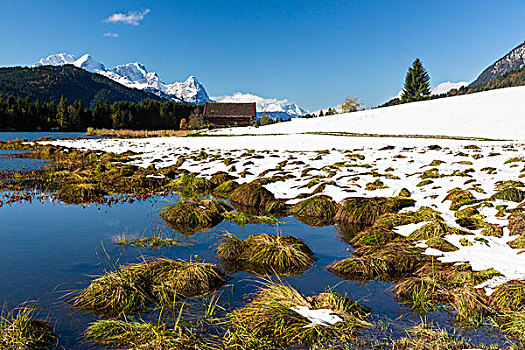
{"type": "Point", "coordinates": [320, 317]}
{"type": "Point", "coordinates": [497, 114]}
{"type": "Point", "coordinates": [347, 164]}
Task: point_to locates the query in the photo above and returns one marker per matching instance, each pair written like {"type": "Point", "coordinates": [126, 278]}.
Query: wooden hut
{"type": "Point", "coordinates": [223, 114]}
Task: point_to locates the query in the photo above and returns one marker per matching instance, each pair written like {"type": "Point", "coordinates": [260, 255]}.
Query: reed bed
{"type": "Point", "coordinates": [126, 133]}
{"type": "Point", "coordinates": [265, 254]}
{"type": "Point", "coordinates": [269, 321]}
{"type": "Point", "coordinates": [131, 289]}
{"type": "Point", "coordinates": [20, 331]}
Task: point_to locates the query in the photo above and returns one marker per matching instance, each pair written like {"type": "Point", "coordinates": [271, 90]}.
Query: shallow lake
{"type": "Point", "coordinates": [48, 248]}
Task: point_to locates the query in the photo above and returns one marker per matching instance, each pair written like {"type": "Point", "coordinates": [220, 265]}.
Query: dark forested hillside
{"type": "Point", "coordinates": [49, 83]}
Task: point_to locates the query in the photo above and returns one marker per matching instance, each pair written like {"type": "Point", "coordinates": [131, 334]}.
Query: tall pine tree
{"type": "Point", "coordinates": [417, 84]}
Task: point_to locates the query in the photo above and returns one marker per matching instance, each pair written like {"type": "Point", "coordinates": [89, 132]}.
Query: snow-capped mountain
{"type": "Point", "coordinates": [273, 107]}
{"type": "Point", "coordinates": [514, 60]}
{"type": "Point", "coordinates": [134, 75]}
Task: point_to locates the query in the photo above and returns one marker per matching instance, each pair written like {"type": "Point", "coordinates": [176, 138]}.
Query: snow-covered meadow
{"type": "Point", "coordinates": [309, 160]}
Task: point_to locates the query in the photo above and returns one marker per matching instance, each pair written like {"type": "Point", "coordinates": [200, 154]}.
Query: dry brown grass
{"type": "Point", "coordinates": [131, 134]}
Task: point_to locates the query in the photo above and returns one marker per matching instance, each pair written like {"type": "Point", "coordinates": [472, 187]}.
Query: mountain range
{"type": "Point", "coordinates": [135, 75]}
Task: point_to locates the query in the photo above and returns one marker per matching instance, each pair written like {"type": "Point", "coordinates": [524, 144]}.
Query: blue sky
{"type": "Point", "coordinates": [313, 53]}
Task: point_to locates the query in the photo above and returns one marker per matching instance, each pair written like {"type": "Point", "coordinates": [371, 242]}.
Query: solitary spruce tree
{"type": "Point", "coordinates": [417, 84]}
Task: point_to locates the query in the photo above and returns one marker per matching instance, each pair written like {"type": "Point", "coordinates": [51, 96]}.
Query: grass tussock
{"type": "Point", "coordinates": [360, 210]}
{"type": "Point", "coordinates": [517, 227]}
{"type": "Point", "coordinates": [243, 219]}
{"type": "Point", "coordinates": [159, 240]}
{"type": "Point", "coordinates": [131, 289]}
{"type": "Point", "coordinates": [80, 193]}
{"type": "Point", "coordinates": [225, 189]}
{"type": "Point", "coordinates": [253, 195]}
{"type": "Point", "coordinates": [439, 283]}
{"type": "Point", "coordinates": [20, 331]}
{"type": "Point", "coordinates": [509, 297]}
{"type": "Point", "coordinates": [459, 198]}
{"type": "Point", "coordinates": [434, 229]}
{"type": "Point", "coordinates": [138, 335]}
{"type": "Point", "coordinates": [192, 216]}
{"type": "Point", "coordinates": [269, 321]}
{"type": "Point", "coordinates": [388, 262]}
{"type": "Point", "coordinates": [191, 185]}
{"type": "Point", "coordinates": [374, 236]}
{"type": "Point", "coordinates": [315, 211]}
{"type": "Point", "coordinates": [441, 244]}
{"type": "Point", "coordinates": [265, 254]}
{"type": "Point", "coordinates": [510, 194]}
{"type": "Point", "coordinates": [427, 337]}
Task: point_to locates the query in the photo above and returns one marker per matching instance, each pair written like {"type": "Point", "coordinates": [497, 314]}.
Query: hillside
{"type": "Point", "coordinates": [49, 83]}
{"type": "Point", "coordinates": [495, 114]}
{"type": "Point", "coordinates": [514, 60]}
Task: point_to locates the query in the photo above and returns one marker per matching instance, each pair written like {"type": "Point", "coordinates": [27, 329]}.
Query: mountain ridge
{"type": "Point", "coordinates": [514, 60]}
{"type": "Point", "coordinates": [135, 75]}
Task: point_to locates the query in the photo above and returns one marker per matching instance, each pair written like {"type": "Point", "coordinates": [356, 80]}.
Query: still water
{"type": "Point", "coordinates": [48, 248]}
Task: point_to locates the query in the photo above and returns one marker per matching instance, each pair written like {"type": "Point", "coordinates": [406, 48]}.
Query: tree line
{"type": "Point", "coordinates": [27, 115]}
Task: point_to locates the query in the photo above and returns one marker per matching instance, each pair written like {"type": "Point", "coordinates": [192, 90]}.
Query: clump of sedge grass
{"type": "Point", "coordinates": [174, 280]}
{"type": "Point", "coordinates": [190, 184]}
{"type": "Point", "coordinates": [375, 236]}
{"type": "Point", "coordinates": [459, 198]}
{"type": "Point", "coordinates": [441, 244]}
{"type": "Point", "coordinates": [20, 331]}
{"type": "Point", "coordinates": [252, 194]}
{"type": "Point", "coordinates": [220, 177]}
{"type": "Point", "coordinates": [80, 193]}
{"type": "Point", "coordinates": [359, 210]}
{"type": "Point", "coordinates": [243, 219]}
{"type": "Point", "coordinates": [192, 216]}
{"type": "Point", "coordinates": [266, 254]}
{"type": "Point", "coordinates": [157, 241]}
{"type": "Point", "coordinates": [387, 262]}
{"type": "Point", "coordinates": [470, 305]}
{"type": "Point", "coordinates": [509, 297]}
{"type": "Point", "coordinates": [315, 211]}
{"type": "Point", "coordinates": [437, 282]}
{"type": "Point", "coordinates": [131, 289]}
{"type": "Point", "coordinates": [434, 229]}
{"type": "Point", "coordinates": [510, 194]}
{"type": "Point", "coordinates": [225, 189]}
{"type": "Point", "coordinates": [269, 320]}
{"type": "Point", "coordinates": [426, 337]}
{"type": "Point", "coordinates": [137, 335]}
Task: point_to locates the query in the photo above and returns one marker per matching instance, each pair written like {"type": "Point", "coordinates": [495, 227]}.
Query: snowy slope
{"type": "Point", "coordinates": [497, 114]}
{"type": "Point", "coordinates": [273, 107]}
{"type": "Point", "coordinates": [134, 75]}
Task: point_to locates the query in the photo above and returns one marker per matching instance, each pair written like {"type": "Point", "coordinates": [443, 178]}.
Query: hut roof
{"type": "Point", "coordinates": [222, 109]}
